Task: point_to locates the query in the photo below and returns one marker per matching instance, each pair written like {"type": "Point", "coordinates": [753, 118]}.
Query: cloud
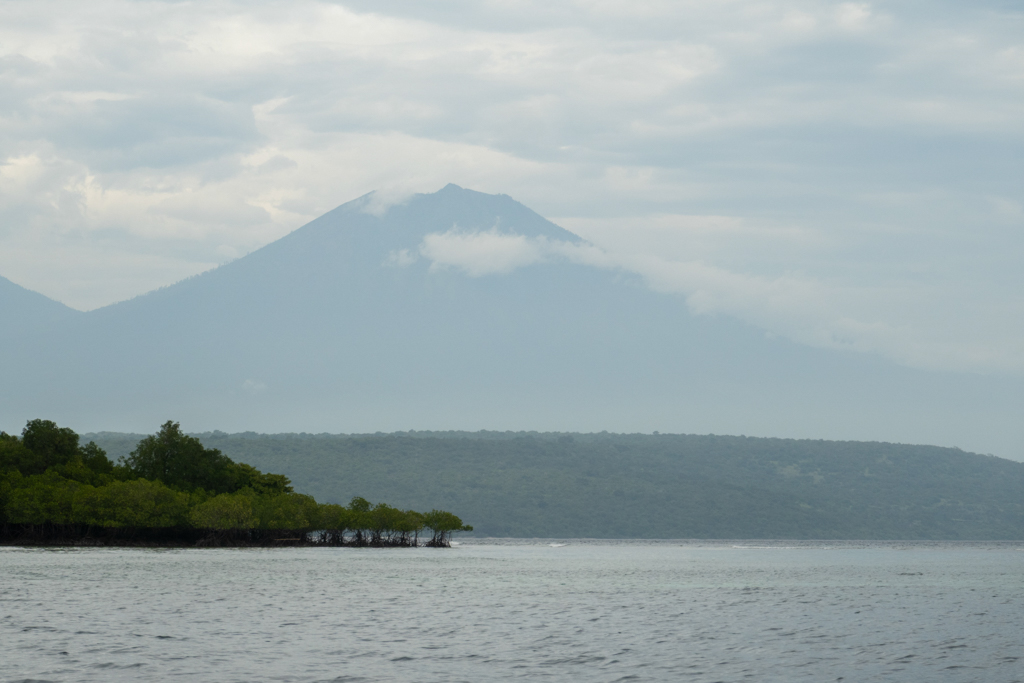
{"type": "Point", "coordinates": [378, 202]}
{"type": "Point", "coordinates": [493, 252]}
{"type": "Point", "coordinates": [799, 283]}
{"type": "Point", "coordinates": [484, 253]}
{"type": "Point", "coordinates": [667, 252]}
{"type": "Point", "coordinates": [862, 158]}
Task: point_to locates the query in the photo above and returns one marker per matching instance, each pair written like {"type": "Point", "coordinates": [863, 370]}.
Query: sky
{"type": "Point", "coordinates": [846, 175]}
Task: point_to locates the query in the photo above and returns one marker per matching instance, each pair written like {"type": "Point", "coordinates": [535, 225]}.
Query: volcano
{"type": "Point", "coordinates": [459, 310]}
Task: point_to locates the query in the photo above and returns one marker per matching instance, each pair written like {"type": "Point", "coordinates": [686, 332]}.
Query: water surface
{"type": "Point", "coordinates": [505, 610]}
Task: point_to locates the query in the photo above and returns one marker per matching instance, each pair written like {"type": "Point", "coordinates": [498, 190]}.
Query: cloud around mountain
{"type": "Point", "coordinates": [842, 174]}
{"type": "Point", "coordinates": [495, 252]}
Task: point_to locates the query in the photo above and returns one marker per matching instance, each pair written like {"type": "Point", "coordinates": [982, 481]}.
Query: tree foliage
{"type": "Point", "coordinates": [443, 524]}
{"type": "Point", "coordinates": [51, 445]}
{"type": "Point", "coordinates": [226, 511]}
{"type": "Point", "coordinates": [180, 461]}
{"type": "Point", "coordinates": [44, 445]}
{"type": "Point", "coordinates": [170, 480]}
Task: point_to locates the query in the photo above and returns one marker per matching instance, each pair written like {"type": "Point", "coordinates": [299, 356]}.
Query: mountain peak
{"type": "Point", "coordinates": [378, 221]}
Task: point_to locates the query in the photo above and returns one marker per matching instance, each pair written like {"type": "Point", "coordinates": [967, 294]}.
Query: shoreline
{"type": "Point", "coordinates": [82, 536]}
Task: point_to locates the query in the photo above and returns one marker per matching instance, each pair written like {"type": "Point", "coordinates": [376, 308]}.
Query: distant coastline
{"type": "Point", "coordinates": [54, 491]}
{"type": "Point", "coordinates": [652, 486]}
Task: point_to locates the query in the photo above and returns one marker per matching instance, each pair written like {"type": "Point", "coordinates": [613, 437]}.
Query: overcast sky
{"type": "Point", "coordinates": [848, 175]}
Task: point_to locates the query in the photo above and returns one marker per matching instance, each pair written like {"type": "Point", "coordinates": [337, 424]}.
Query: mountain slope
{"type": "Point", "coordinates": [351, 324]}
{"type": "Point", "coordinates": [24, 311]}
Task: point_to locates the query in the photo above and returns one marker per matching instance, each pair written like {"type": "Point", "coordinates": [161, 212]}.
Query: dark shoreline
{"type": "Point", "coordinates": [83, 536]}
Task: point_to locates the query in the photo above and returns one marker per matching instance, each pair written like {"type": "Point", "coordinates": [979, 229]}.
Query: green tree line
{"type": "Point", "coordinates": [53, 487]}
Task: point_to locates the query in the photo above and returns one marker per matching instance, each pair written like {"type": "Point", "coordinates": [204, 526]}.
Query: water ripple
{"type": "Point", "coordinates": [586, 611]}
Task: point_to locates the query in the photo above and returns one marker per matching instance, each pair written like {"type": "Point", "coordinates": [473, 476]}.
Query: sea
{"type": "Point", "coordinates": [517, 610]}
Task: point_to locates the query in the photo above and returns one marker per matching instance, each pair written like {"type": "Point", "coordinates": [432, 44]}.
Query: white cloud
{"type": "Point", "coordinates": [378, 202]}
{"type": "Point", "coordinates": [853, 15]}
{"type": "Point", "coordinates": [793, 281]}
{"type": "Point", "coordinates": [674, 255]}
{"type": "Point", "coordinates": [483, 253]}
{"type": "Point", "coordinates": [494, 252]}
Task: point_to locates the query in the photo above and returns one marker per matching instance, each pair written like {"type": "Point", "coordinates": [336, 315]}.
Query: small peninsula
{"type": "Point", "coordinates": [172, 491]}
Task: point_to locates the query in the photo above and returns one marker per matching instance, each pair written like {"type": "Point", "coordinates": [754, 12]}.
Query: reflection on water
{"type": "Point", "coordinates": [493, 610]}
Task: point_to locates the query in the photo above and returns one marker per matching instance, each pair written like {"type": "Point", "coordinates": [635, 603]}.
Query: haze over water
{"type": "Point", "coordinates": [502, 610]}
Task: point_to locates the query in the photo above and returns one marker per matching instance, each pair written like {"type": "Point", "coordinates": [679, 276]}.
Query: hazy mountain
{"type": "Point", "coordinates": [352, 324]}
{"type": "Point", "coordinates": [23, 311]}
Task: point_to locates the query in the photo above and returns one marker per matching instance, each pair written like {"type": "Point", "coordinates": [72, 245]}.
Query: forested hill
{"type": "Point", "coordinates": [651, 486]}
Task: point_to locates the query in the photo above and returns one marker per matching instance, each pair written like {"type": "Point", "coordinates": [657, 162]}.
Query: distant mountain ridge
{"type": "Point", "coordinates": [23, 310]}
{"type": "Point", "coordinates": [651, 486]}
{"type": "Point", "coordinates": [375, 316]}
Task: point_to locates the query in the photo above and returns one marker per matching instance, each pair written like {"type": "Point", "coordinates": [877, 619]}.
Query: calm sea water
{"type": "Point", "coordinates": [487, 611]}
